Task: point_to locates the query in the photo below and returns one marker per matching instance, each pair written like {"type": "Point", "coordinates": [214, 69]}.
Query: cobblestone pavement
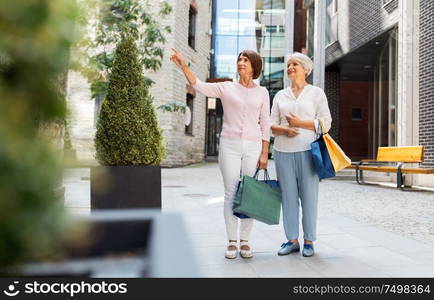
{"type": "Point", "coordinates": [363, 231]}
{"type": "Point", "coordinates": [410, 213]}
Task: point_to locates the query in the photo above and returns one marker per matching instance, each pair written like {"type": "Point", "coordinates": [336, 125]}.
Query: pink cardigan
{"type": "Point", "coordinates": [246, 110]}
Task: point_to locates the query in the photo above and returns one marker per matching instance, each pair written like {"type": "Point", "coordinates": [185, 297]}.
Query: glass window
{"type": "Point", "coordinates": [273, 29]}
{"type": "Point", "coordinates": [383, 124]}
{"type": "Point", "coordinates": [225, 56]}
{"type": "Point", "coordinates": [192, 27]}
{"type": "Point", "coordinates": [257, 25]}
{"type": "Point", "coordinates": [310, 29]}
{"type": "Point", "coordinates": [238, 25]}
{"type": "Point", "coordinates": [247, 42]}
{"type": "Point", "coordinates": [270, 29]}
{"type": "Point", "coordinates": [272, 42]}
{"type": "Point", "coordinates": [225, 66]}
{"type": "Point", "coordinates": [331, 31]}
{"type": "Point", "coordinates": [274, 59]}
{"type": "Point", "coordinates": [246, 16]}
{"type": "Point", "coordinates": [226, 26]}
{"type": "Point", "coordinates": [226, 44]}
{"type": "Point", "coordinates": [226, 21]}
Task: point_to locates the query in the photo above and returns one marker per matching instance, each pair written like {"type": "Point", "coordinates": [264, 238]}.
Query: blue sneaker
{"type": "Point", "coordinates": [308, 250]}
{"type": "Point", "coordinates": [288, 248]}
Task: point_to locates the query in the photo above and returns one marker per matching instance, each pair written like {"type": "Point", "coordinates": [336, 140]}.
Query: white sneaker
{"type": "Point", "coordinates": [231, 254]}
{"type": "Point", "coordinates": [245, 253]}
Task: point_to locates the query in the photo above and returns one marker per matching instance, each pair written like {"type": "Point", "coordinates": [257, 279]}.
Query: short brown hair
{"type": "Point", "coordinates": [255, 59]}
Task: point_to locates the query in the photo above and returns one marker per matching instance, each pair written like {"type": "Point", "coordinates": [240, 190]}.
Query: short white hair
{"type": "Point", "coordinates": [304, 60]}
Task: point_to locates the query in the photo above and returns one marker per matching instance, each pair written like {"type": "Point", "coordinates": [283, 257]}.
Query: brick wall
{"type": "Point", "coordinates": [391, 6]}
{"type": "Point", "coordinates": [183, 149]}
{"type": "Point", "coordinates": [360, 22]}
{"type": "Point", "coordinates": [80, 117]}
{"type": "Point", "coordinates": [331, 85]}
{"type": "Point", "coordinates": [170, 85]}
{"type": "Point", "coordinates": [426, 80]}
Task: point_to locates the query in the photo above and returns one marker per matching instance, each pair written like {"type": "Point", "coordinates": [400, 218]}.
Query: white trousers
{"type": "Point", "coordinates": [237, 158]}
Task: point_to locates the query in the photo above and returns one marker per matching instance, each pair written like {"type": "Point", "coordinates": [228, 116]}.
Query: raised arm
{"type": "Point", "coordinates": [206, 88]}
{"type": "Point", "coordinates": [178, 59]}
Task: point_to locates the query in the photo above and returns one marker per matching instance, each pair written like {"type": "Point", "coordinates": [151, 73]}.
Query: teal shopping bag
{"type": "Point", "coordinates": [260, 200]}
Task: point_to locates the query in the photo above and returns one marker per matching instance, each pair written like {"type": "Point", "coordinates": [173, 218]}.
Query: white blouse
{"type": "Point", "coordinates": [311, 104]}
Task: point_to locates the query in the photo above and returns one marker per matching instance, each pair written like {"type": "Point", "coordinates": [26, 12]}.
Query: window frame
{"type": "Point", "coordinates": [189, 99]}
{"type": "Point", "coordinates": [192, 20]}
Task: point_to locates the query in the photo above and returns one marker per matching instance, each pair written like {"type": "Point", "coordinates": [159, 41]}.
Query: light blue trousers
{"type": "Point", "coordinates": [299, 184]}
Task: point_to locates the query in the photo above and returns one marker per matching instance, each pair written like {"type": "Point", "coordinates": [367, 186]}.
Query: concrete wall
{"type": "Point", "coordinates": [80, 117]}
{"type": "Point", "coordinates": [359, 22]}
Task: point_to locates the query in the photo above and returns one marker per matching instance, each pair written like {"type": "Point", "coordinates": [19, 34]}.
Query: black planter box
{"type": "Point", "coordinates": [118, 187]}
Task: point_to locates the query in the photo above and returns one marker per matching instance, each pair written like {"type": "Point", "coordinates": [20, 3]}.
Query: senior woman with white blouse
{"type": "Point", "coordinates": [295, 119]}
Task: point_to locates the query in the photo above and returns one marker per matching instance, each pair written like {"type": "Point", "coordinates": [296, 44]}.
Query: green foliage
{"type": "Point", "coordinates": [94, 55]}
{"type": "Point", "coordinates": [34, 51]}
{"type": "Point", "coordinates": [31, 207]}
{"type": "Point", "coordinates": [68, 151]}
{"type": "Point", "coordinates": [173, 106]}
{"type": "Point", "coordinates": [98, 88]}
{"type": "Point", "coordinates": [127, 129]}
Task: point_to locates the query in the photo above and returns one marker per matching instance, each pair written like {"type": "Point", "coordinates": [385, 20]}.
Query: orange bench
{"type": "Point", "coordinates": [391, 160]}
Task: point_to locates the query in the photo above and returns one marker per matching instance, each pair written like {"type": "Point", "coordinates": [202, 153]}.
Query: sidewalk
{"type": "Point", "coordinates": [363, 231]}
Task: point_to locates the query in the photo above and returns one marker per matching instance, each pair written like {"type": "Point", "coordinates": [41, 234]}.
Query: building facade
{"type": "Point", "coordinates": [378, 73]}
{"type": "Point", "coordinates": [184, 134]}
{"type": "Point", "coordinates": [374, 59]}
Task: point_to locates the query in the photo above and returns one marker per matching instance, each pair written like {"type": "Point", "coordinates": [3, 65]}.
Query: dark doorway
{"type": "Point", "coordinates": [354, 121]}
{"type": "Point", "coordinates": [214, 121]}
{"type": "Point", "coordinates": [367, 96]}
{"type": "Point", "coordinates": [214, 126]}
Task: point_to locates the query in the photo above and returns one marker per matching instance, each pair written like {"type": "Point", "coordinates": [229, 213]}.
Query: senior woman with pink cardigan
{"type": "Point", "coordinates": [244, 139]}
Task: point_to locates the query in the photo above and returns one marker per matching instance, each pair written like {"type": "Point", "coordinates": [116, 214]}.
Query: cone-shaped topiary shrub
{"type": "Point", "coordinates": [127, 129]}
